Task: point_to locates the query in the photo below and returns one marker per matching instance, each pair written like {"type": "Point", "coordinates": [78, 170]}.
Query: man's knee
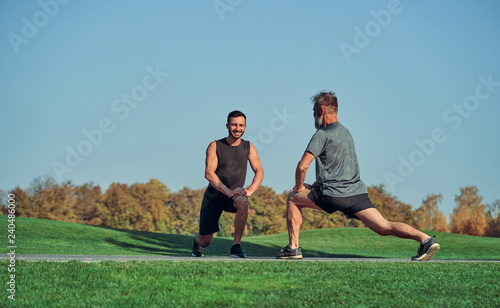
{"type": "Point", "coordinates": [292, 198]}
{"type": "Point", "coordinates": [384, 231]}
{"type": "Point", "coordinates": [383, 228]}
{"type": "Point", "coordinates": [241, 204]}
{"type": "Point", "coordinates": [379, 226]}
{"type": "Point", "coordinates": [205, 240]}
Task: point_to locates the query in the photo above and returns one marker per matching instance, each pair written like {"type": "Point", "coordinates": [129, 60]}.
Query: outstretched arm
{"type": "Point", "coordinates": [256, 166]}
{"type": "Point", "coordinates": [301, 171]}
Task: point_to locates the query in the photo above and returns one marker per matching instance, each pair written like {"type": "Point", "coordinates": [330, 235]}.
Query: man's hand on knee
{"type": "Point", "coordinates": [240, 191]}
{"type": "Point", "coordinates": [297, 189]}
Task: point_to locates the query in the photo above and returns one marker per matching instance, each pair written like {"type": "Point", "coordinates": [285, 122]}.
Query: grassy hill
{"type": "Point", "coordinates": [39, 236]}
{"type": "Point", "coordinates": [246, 284]}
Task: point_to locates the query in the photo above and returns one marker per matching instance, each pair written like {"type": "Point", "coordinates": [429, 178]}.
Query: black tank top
{"type": "Point", "coordinates": [232, 165]}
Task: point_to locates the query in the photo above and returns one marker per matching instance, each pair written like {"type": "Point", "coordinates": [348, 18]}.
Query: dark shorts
{"type": "Point", "coordinates": [211, 209]}
{"type": "Point", "coordinates": [347, 205]}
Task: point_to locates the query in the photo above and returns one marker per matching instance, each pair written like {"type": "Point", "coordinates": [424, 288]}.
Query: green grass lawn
{"type": "Point", "coordinates": [39, 236]}
{"type": "Point", "coordinates": [246, 284]}
{"type": "Point", "coordinates": [256, 284]}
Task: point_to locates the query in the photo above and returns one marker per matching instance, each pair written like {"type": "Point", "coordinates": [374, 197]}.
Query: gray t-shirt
{"type": "Point", "coordinates": [337, 168]}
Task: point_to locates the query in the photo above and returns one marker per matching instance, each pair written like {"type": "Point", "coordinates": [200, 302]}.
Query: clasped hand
{"type": "Point", "coordinates": [240, 191]}
{"type": "Point", "coordinates": [301, 188]}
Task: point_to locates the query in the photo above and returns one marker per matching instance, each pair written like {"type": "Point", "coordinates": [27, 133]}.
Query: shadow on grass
{"type": "Point", "coordinates": [320, 254]}
{"type": "Point", "coordinates": [150, 243]}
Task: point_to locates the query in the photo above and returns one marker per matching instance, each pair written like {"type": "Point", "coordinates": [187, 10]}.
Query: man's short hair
{"type": "Point", "coordinates": [235, 114]}
{"type": "Point", "coordinates": [327, 99]}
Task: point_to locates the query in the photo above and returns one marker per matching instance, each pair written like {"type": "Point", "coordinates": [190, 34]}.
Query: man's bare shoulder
{"type": "Point", "coordinates": [252, 147]}
{"type": "Point", "coordinates": [212, 146]}
{"type": "Point", "coordinates": [253, 150]}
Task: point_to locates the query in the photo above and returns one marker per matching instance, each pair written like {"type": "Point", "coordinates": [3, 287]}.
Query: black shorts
{"type": "Point", "coordinates": [211, 209]}
{"type": "Point", "coordinates": [347, 205]}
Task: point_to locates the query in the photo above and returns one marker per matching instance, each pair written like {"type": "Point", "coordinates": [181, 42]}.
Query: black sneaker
{"type": "Point", "coordinates": [289, 253]}
{"type": "Point", "coordinates": [426, 250]}
{"type": "Point", "coordinates": [236, 252]}
{"type": "Point", "coordinates": [197, 250]}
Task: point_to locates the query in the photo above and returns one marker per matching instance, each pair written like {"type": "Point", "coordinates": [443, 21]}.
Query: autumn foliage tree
{"type": "Point", "coordinates": [88, 206]}
{"type": "Point", "coordinates": [391, 208]}
{"type": "Point", "coordinates": [152, 206]}
{"type": "Point", "coordinates": [266, 213]}
{"type": "Point", "coordinates": [24, 204]}
{"type": "Point", "coordinates": [185, 208]}
{"type": "Point", "coordinates": [47, 200]}
{"type": "Point", "coordinates": [469, 215]}
{"type": "Point", "coordinates": [429, 217]}
{"type": "Point", "coordinates": [151, 210]}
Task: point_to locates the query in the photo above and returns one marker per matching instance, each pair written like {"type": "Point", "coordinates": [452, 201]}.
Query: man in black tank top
{"type": "Point", "coordinates": [226, 168]}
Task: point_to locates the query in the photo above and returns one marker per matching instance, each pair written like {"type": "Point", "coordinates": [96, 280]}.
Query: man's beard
{"type": "Point", "coordinates": [231, 133]}
{"type": "Point", "coordinates": [318, 122]}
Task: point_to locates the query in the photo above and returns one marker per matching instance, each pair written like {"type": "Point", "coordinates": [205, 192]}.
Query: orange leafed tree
{"type": "Point", "coordinates": [429, 217]}
{"type": "Point", "coordinates": [469, 215]}
{"type": "Point", "coordinates": [391, 208]}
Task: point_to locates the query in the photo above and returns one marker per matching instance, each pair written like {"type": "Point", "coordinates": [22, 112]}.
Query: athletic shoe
{"type": "Point", "coordinates": [289, 253]}
{"type": "Point", "coordinates": [426, 250]}
{"type": "Point", "coordinates": [236, 252]}
{"type": "Point", "coordinates": [197, 250]}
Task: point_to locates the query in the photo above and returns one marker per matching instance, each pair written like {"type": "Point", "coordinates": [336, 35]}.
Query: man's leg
{"type": "Point", "coordinates": [200, 242]}
{"type": "Point", "coordinates": [295, 202]}
{"type": "Point", "coordinates": [375, 221]}
{"type": "Point", "coordinates": [240, 219]}
{"type": "Point", "coordinates": [204, 240]}
{"type": "Point", "coordinates": [208, 225]}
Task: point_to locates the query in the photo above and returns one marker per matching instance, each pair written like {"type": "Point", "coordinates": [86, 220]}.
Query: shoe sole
{"type": "Point", "coordinates": [237, 256]}
{"type": "Point", "coordinates": [430, 253]}
{"type": "Point", "coordinates": [290, 257]}
{"type": "Point", "coordinates": [196, 255]}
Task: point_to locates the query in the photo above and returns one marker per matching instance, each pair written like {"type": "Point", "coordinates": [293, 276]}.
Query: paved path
{"type": "Point", "coordinates": [99, 258]}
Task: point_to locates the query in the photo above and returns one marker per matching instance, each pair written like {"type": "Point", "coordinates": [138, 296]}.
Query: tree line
{"type": "Point", "coordinates": [152, 206]}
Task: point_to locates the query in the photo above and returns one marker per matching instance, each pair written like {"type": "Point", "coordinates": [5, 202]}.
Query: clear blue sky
{"type": "Point", "coordinates": [138, 89]}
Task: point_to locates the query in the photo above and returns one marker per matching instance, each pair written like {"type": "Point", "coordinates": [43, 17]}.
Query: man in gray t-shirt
{"type": "Point", "coordinates": [337, 169]}
{"type": "Point", "coordinates": [338, 186]}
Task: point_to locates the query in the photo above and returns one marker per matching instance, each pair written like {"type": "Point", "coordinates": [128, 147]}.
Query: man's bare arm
{"type": "Point", "coordinates": [301, 171]}
{"type": "Point", "coordinates": [256, 166]}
